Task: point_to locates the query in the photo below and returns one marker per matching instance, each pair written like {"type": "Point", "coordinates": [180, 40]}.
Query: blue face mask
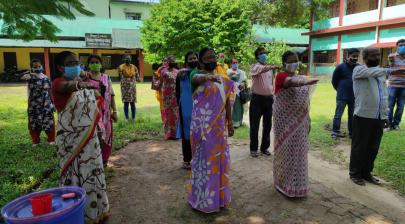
{"type": "Point", "coordinates": [72, 72]}
{"type": "Point", "coordinates": [401, 50]}
{"type": "Point", "coordinates": [262, 58]}
{"type": "Point", "coordinates": [235, 66]}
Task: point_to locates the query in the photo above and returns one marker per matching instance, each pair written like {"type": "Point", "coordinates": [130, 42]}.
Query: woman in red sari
{"type": "Point", "coordinates": [291, 128]}
{"type": "Point", "coordinates": [170, 106]}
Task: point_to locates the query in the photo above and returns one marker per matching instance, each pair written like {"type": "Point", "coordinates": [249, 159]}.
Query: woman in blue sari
{"type": "Point", "coordinates": [185, 102]}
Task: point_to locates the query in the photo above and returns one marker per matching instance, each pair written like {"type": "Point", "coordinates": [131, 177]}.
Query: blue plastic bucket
{"type": "Point", "coordinates": [64, 211]}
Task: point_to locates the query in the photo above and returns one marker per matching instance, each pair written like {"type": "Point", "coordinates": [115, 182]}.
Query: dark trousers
{"type": "Point", "coordinates": [186, 147]}
{"type": "Point", "coordinates": [367, 134]}
{"type": "Point", "coordinates": [260, 106]}
{"type": "Point", "coordinates": [396, 96]}
{"type": "Point", "coordinates": [133, 109]}
{"type": "Point", "coordinates": [340, 108]}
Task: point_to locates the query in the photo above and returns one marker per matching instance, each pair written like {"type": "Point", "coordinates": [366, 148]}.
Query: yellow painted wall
{"type": "Point", "coordinates": [22, 54]}
{"type": "Point", "coordinates": [23, 57]}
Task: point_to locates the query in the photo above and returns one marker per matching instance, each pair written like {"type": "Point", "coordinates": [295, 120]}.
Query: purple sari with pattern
{"type": "Point", "coordinates": [208, 189]}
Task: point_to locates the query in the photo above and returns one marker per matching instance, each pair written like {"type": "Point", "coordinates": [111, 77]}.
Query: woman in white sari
{"type": "Point", "coordinates": [79, 152]}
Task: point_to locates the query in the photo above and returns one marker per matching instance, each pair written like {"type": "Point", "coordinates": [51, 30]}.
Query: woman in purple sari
{"type": "Point", "coordinates": [291, 129]}
{"type": "Point", "coordinates": [211, 125]}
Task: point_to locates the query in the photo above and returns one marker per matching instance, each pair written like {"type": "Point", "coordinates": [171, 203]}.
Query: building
{"type": "Point", "coordinates": [355, 24]}
{"type": "Point", "coordinates": [112, 32]}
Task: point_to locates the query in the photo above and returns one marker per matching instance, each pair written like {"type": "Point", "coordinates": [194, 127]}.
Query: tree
{"type": "Point", "coordinates": [288, 13]}
{"type": "Point", "coordinates": [177, 26]}
{"type": "Point", "coordinates": [24, 19]}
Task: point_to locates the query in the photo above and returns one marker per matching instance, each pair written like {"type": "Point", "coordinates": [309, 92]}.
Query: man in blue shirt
{"type": "Point", "coordinates": [343, 83]}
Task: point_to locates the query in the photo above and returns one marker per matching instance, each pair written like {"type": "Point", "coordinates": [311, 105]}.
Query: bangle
{"type": "Point", "coordinates": [77, 86]}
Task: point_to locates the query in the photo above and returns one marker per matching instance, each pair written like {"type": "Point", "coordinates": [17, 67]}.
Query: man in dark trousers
{"type": "Point", "coordinates": [261, 104]}
{"type": "Point", "coordinates": [370, 116]}
{"type": "Point", "coordinates": [342, 81]}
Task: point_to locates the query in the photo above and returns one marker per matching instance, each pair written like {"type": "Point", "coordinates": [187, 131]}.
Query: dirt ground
{"type": "Point", "coordinates": [148, 186]}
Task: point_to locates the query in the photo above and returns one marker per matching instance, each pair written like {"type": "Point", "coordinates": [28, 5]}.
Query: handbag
{"type": "Point", "coordinates": [245, 95]}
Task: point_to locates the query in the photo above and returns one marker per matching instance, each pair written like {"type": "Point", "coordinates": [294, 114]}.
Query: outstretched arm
{"type": "Point", "coordinates": [363, 72]}
{"type": "Point", "coordinates": [292, 82]}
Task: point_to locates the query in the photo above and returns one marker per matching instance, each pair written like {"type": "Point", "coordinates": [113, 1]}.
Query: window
{"type": "Point", "coordinates": [133, 16]}
{"type": "Point", "coordinates": [358, 6]}
{"type": "Point", "coordinates": [10, 60]}
{"type": "Point", "coordinates": [38, 56]}
{"type": "Point", "coordinates": [395, 2]}
{"type": "Point", "coordinates": [334, 9]}
{"type": "Point", "coordinates": [325, 57]}
{"type": "Point", "coordinates": [111, 61]}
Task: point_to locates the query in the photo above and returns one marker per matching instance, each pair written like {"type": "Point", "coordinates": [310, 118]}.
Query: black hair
{"type": "Point", "coordinates": [366, 52]}
{"type": "Point", "coordinates": [203, 51]}
{"type": "Point", "coordinates": [35, 61]}
{"type": "Point", "coordinates": [258, 50]}
{"type": "Point", "coordinates": [125, 56]}
{"type": "Point", "coordinates": [96, 56]}
{"type": "Point", "coordinates": [60, 61]}
{"type": "Point", "coordinates": [286, 55]}
{"type": "Point", "coordinates": [188, 54]}
{"type": "Point", "coordinates": [353, 51]}
{"type": "Point", "coordinates": [400, 41]}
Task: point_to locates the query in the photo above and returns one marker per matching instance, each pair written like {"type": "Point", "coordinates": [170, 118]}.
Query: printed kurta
{"type": "Point", "coordinates": [40, 106]}
{"type": "Point", "coordinates": [79, 152]}
{"type": "Point", "coordinates": [238, 77]}
{"type": "Point", "coordinates": [128, 83]}
{"type": "Point", "coordinates": [104, 127]}
{"type": "Point", "coordinates": [208, 189]}
{"type": "Point", "coordinates": [170, 107]}
{"type": "Point", "coordinates": [291, 129]}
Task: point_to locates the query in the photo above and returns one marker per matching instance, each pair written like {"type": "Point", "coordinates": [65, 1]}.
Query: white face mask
{"type": "Point", "coordinates": [292, 67]}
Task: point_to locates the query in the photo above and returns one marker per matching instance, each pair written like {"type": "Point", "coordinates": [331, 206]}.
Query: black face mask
{"type": "Point", "coordinates": [210, 66]}
{"type": "Point", "coordinates": [373, 63]}
{"type": "Point", "coordinates": [193, 64]}
{"type": "Point", "coordinates": [172, 65]}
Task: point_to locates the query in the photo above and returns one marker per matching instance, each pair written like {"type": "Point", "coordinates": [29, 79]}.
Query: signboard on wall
{"type": "Point", "coordinates": [98, 40]}
{"type": "Point", "coordinates": [126, 38]}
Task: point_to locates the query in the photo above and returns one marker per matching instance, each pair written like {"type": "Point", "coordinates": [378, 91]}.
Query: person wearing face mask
{"type": "Point", "coordinates": [211, 125]}
{"type": "Point", "coordinates": [129, 75]}
{"type": "Point", "coordinates": [222, 67]}
{"type": "Point", "coordinates": [185, 102]}
{"type": "Point", "coordinates": [239, 77]}
{"type": "Point", "coordinates": [109, 110]}
{"type": "Point", "coordinates": [370, 116]}
{"type": "Point", "coordinates": [396, 86]}
{"type": "Point", "coordinates": [291, 128]}
{"type": "Point", "coordinates": [343, 83]}
{"type": "Point", "coordinates": [78, 148]}
{"type": "Point", "coordinates": [157, 85]}
{"type": "Point", "coordinates": [261, 103]}
{"type": "Point", "coordinates": [40, 105]}
{"type": "Point", "coordinates": [170, 106]}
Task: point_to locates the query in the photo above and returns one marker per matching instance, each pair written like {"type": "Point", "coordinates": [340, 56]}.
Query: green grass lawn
{"type": "Point", "coordinates": [23, 168]}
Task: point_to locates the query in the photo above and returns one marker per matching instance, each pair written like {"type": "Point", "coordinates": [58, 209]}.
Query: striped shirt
{"type": "Point", "coordinates": [397, 71]}
{"type": "Point", "coordinates": [262, 79]}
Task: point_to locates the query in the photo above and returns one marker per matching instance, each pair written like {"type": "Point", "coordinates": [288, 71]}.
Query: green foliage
{"type": "Point", "coordinates": [288, 13]}
{"type": "Point", "coordinates": [177, 26]}
{"type": "Point", "coordinates": [246, 55]}
{"type": "Point", "coordinates": [23, 19]}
